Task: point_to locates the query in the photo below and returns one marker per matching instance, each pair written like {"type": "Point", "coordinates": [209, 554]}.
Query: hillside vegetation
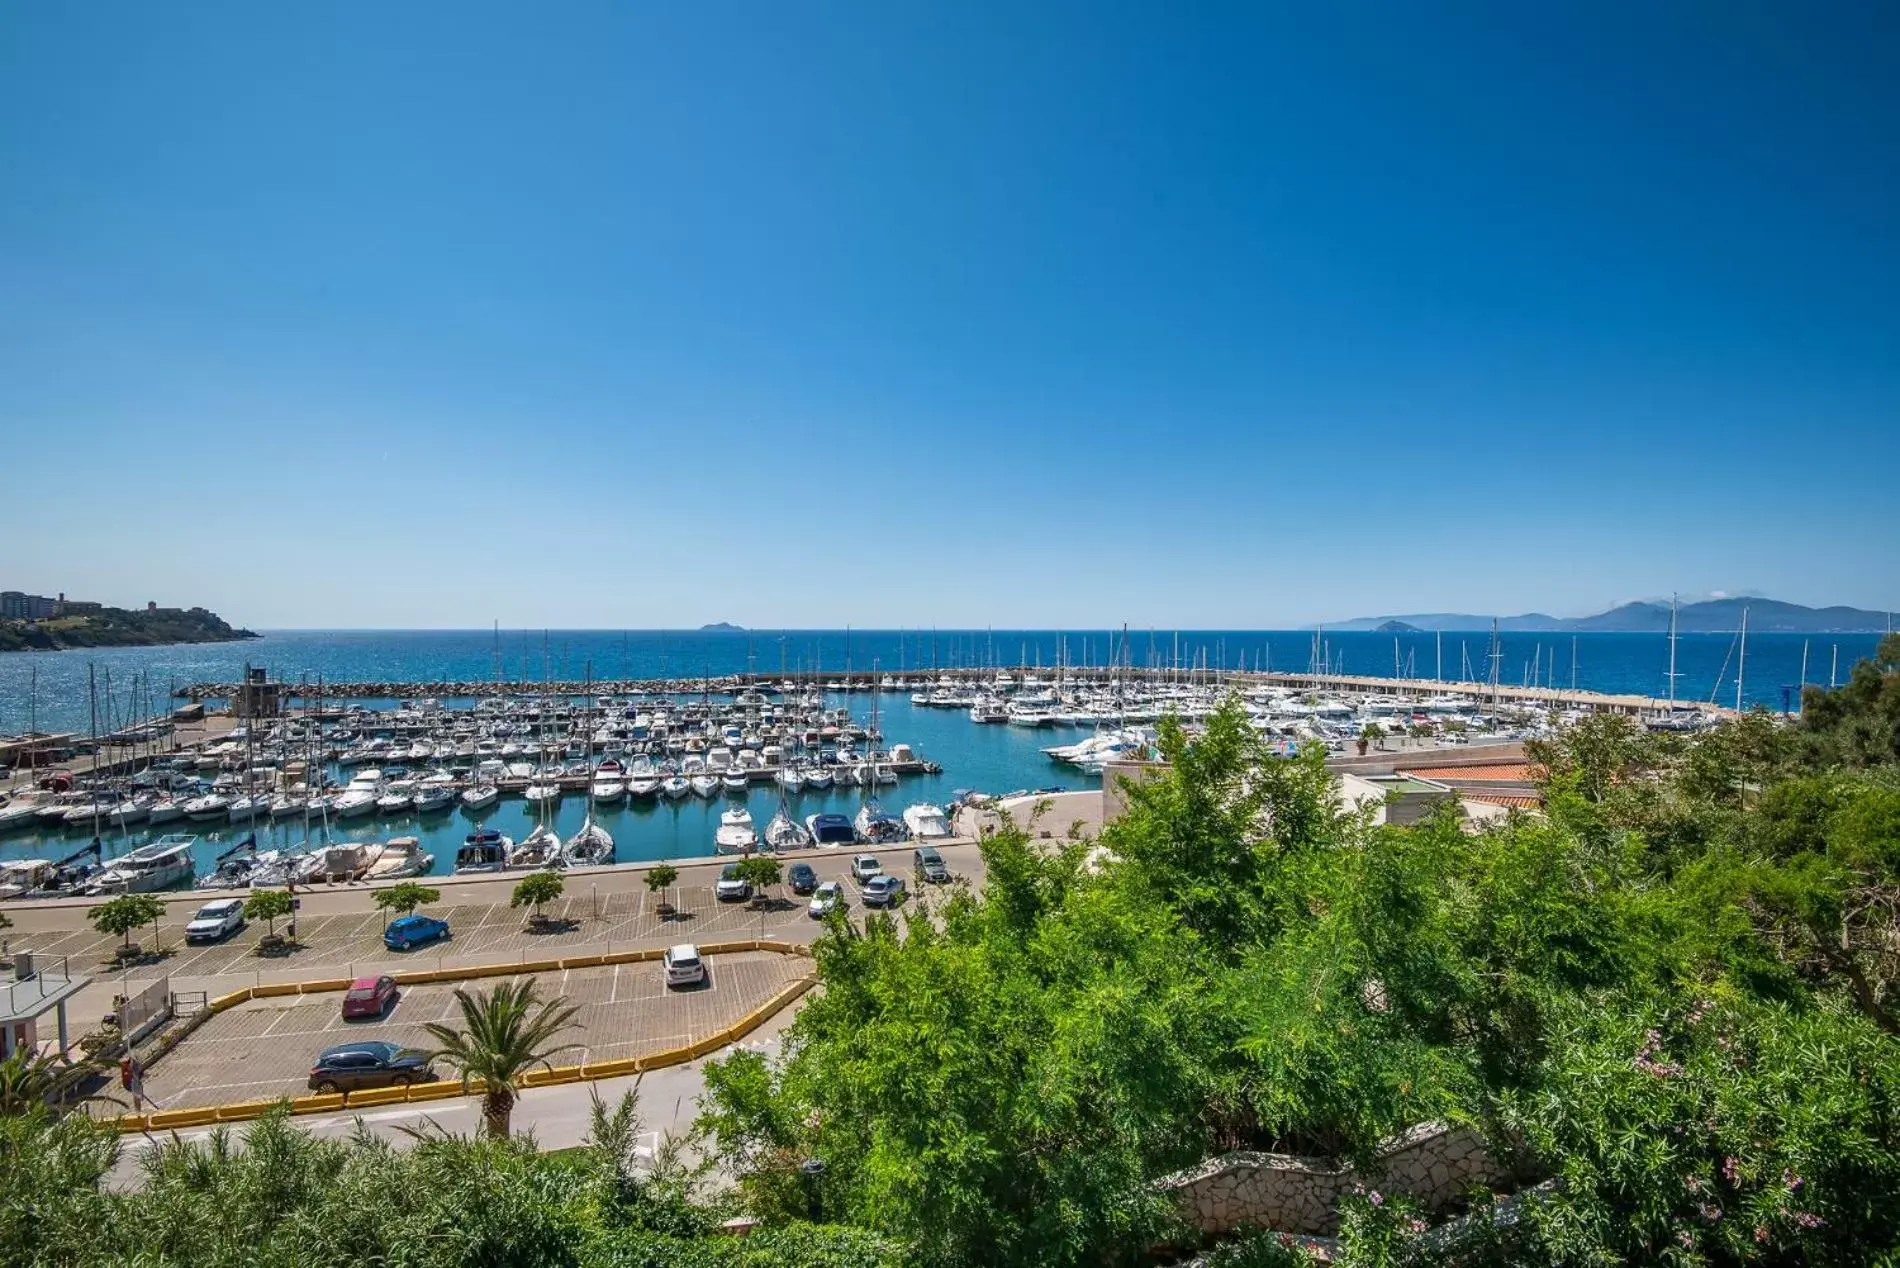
{"type": "Point", "coordinates": [119, 627]}
{"type": "Point", "coordinates": [1671, 1005]}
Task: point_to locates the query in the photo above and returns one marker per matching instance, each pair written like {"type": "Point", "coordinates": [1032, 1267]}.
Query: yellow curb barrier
{"type": "Point", "coordinates": [239, 1111]}
{"type": "Point", "coordinates": [166, 1119]}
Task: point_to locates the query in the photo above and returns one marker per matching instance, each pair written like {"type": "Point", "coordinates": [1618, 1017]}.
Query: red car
{"type": "Point", "coordinates": [369, 997]}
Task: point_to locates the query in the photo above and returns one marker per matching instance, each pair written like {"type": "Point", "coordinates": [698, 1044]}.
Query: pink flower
{"type": "Point", "coordinates": [1686, 1237]}
{"type": "Point", "coordinates": [1416, 1226]}
{"type": "Point", "coordinates": [1807, 1219]}
{"type": "Point", "coordinates": [1376, 1199]}
{"type": "Point", "coordinates": [1730, 1169]}
{"type": "Point", "coordinates": [1790, 1179]}
{"type": "Point", "coordinates": [1761, 1233]}
{"type": "Point", "coordinates": [1694, 1183]}
{"type": "Point", "coordinates": [1710, 1211]}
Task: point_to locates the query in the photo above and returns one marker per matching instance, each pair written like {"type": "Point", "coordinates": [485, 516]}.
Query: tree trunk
{"type": "Point", "coordinates": [498, 1105]}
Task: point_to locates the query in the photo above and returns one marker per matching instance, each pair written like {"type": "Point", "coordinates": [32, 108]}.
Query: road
{"type": "Point", "coordinates": [557, 1117]}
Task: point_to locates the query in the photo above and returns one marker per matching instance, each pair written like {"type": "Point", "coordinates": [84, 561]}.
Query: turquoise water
{"type": "Point", "coordinates": [989, 758]}
{"type": "Point", "coordinates": [50, 688]}
{"type": "Point", "coordinates": [130, 677]}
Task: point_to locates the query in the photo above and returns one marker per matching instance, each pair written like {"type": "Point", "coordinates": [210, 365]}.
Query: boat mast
{"type": "Point", "coordinates": [1672, 652]}
{"type": "Point", "coordinates": [1741, 663]}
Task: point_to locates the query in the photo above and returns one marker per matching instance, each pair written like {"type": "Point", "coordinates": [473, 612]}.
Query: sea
{"type": "Point", "coordinates": [60, 691]}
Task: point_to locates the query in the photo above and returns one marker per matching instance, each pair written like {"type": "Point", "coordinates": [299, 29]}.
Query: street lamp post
{"type": "Point", "coordinates": [811, 1169]}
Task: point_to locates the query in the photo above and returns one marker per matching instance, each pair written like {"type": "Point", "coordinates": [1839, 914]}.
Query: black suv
{"type": "Point", "coordinates": [930, 865]}
{"type": "Point", "coordinates": [802, 879]}
{"type": "Point", "coordinates": [351, 1067]}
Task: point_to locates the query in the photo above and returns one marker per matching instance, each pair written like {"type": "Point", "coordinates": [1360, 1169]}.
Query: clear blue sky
{"type": "Point", "coordinates": [794, 314]}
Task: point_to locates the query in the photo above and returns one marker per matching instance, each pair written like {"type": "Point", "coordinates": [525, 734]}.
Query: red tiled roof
{"type": "Point", "coordinates": [1486, 772]}
{"type": "Point", "coordinates": [1517, 801]}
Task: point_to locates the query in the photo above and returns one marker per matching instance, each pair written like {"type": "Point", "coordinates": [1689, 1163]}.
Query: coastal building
{"type": "Point", "coordinates": [16, 605]}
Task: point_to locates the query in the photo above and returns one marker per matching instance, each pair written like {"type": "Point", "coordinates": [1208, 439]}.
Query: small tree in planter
{"type": "Point", "coordinates": [533, 890]}
{"type": "Point", "coordinates": [661, 878]}
{"type": "Point", "coordinates": [400, 900]}
{"type": "Point", "coordinates": [763, 871]}
{"type": "Point", "coordinates": [124, 914]}
{"type": "Point", "coordinates": [1372, 734]}
{"type": "Point", "coordinates": [269, 906]}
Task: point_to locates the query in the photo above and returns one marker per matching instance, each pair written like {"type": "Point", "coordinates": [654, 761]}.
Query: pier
{"type": "Point", "coordinates": [310, 696]}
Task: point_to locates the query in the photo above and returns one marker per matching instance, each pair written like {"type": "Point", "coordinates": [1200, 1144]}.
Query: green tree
{"type": "Point", "coordinates": [660, 878]}
{"type": "Point", "coordinates": [1371, 733]}
{"type": "Point", "coordinates": [762, 870]}
{"type": "Point", "coordinates": [269, 906]}
{"type": "Point", "coordinates": [126, 913]}
{"type": "Point", "coordinates": [535, 889]}
{"type": "Point", "coordinates": [402, 898]}
{"type": "Point", "coordinates": [504, 1033]}
{"type": "Point", "coordinates": [27, 1079]}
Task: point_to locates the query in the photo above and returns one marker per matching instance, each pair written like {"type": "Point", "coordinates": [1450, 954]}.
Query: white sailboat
{"type": "Point", "coordinates": [591, 846]}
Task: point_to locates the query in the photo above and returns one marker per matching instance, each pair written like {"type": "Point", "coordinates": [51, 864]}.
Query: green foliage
{"type": "Point", "coordinates": [402, 898]}
{"type": "Point", "coordinates": [288, 1200]}
{"type": "Point", "coordinates": [999, 1081]}
{"type": "Point", "coordinates": [762, 870]}
{"type": "Point", "coordinates": [504, 1033]}
{"type": "Point", "coordinates": [125, 913]}
{"type": "Point", "coordinates": [537, 888]}
{"type": "Point", "coordinates": [662, 876]}
{"type": "Point", "coordinates": [1857, 726]}
{"type": "Point", "coordinates": [269, 906]}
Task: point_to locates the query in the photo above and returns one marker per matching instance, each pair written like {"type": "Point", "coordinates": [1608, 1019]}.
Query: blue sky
{"type": "Point", "coordinates": [797, 314]}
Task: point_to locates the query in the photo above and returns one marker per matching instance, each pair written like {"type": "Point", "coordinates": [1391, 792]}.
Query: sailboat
{"type": "Point", "coordinates": [592, 846]}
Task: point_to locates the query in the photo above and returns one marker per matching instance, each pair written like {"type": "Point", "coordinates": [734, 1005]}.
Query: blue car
{"type": "Point", "coordinates": [413, 931]}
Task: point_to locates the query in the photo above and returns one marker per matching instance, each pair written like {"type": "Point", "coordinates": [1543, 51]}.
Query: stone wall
{"type": "Point", "coordinates": [1433, 1162]}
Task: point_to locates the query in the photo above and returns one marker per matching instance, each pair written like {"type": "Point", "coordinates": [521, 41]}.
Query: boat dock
{"type": "Point", "coordinates": [312, 696]}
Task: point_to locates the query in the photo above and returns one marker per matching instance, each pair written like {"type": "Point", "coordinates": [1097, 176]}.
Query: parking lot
{"type": "Point", "coordinates": [588, 920]}
{"type": "Point", "coordinates": [264, 1048]}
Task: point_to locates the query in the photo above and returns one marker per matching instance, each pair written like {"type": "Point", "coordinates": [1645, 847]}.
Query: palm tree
{"type": "Point", "coordinates": [503, 1035]}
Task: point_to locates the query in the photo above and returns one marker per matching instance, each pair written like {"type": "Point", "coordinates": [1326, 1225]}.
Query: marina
{"type": "Point", "coordinates": [288, 784]}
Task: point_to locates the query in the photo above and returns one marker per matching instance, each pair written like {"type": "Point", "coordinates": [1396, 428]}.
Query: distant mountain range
{"type": "Point", "coordinates": [1712, 616]}
{"type": "Point", "coordinates": [722, 627]}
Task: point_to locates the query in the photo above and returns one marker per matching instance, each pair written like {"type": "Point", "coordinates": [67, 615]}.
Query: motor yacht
{"type": "Point", "coordinates": [480, 798]}
{"type": "Point", "coordinates": [402, 857]}
{"type": "Point", "coordinates": [926, 822]}
{"type": "Point", "coordinates": [483, 850]}
{"type": "Point", "coordinates": [736, 834]}
{"type": "Point", "coordinates": [161, 865]}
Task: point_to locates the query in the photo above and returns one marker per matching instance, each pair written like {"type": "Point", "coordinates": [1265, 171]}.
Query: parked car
{"type": "Point", "coordinates": [930, 865]}
{"type": "Point", "coordinates": [413, 930]}
{"type": "Point", "coordinates": [684, 967]}
{"type": "Point", "coordinates": [352, 1067]}
{"type": "Point", "coordinates": [884, 890]}
{"type": "Point", "coordinates": [826, 899]}
{"type": "Point", "coordinates": [369, 997]}
{"type": "Point", "coordinates": [216, 920]}
{"type": "Point", "coordinates": [731, 887]}
{"type": "Point", "coordinates": [802, 878]}
{"type": "Point", "coordinates": [864, 867]}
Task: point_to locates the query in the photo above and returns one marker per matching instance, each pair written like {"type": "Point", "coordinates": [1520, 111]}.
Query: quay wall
{"type": "Point", "coordinates": [1412, 688]}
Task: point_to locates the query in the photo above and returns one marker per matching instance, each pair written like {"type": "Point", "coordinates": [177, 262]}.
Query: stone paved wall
{"type": "Point", "coordinates": [1432, 1162]}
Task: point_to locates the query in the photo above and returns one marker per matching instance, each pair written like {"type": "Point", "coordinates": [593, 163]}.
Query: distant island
{"type": "Point", "coordinates": [721, 627]}
{"type": "Point", "coordinates": [1712, 616]}
{"type": "Point", "coordinates": [94, 625]}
